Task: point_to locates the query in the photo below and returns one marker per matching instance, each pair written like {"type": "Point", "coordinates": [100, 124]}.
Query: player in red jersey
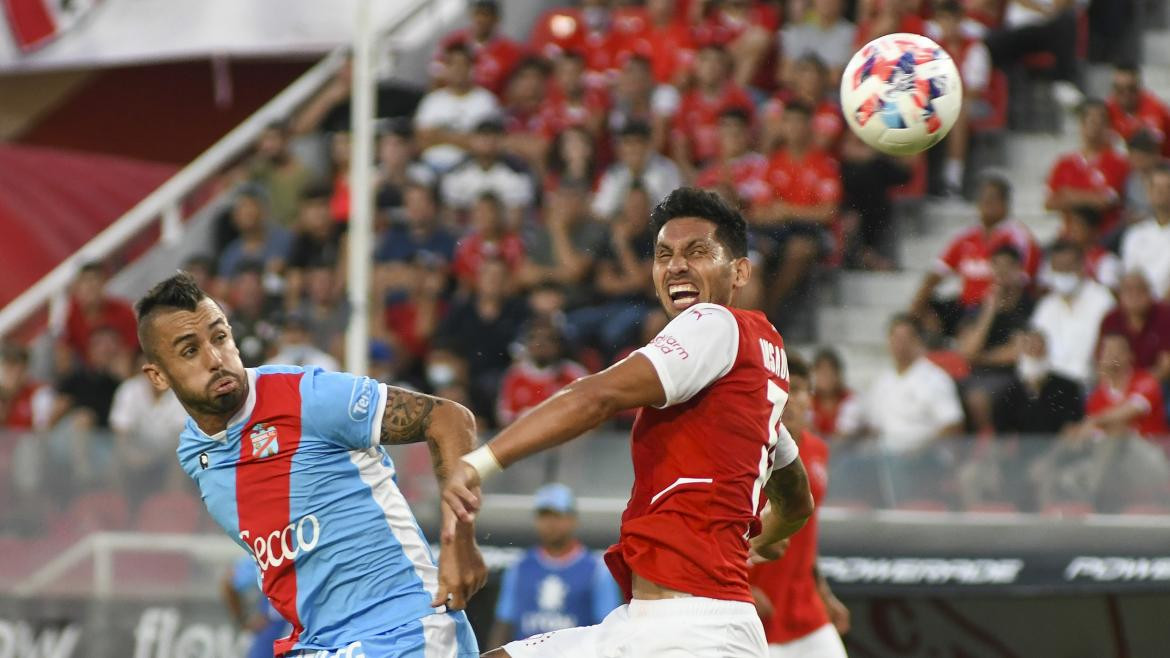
{"type": "Point", "coordinates": [800, 613]}
{"type": "Point", "coordinates": [707, 443]}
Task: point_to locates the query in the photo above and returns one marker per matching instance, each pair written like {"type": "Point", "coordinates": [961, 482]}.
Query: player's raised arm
{"type": "Point", "coordinates": [449, 431]}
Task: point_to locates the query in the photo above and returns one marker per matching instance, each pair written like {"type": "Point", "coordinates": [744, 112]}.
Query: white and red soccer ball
{"type": "Point", "coordinates": [901, 93]}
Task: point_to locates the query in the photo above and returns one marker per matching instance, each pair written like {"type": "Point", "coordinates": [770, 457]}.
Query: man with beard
{"type": "Point", "coordinates": [290, 462]}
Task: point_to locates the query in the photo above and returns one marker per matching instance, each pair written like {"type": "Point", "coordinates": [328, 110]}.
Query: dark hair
{"type": "Point", "coordinates": [459, 46]}
{"type": "Point", "coordinates": [797, 366]}
{"type": "Point", "coordinates": [432, 191]}
{"type": "Point", "coordinates": [1144, 141]}
{"type": "Point", "coordinates": [1090, 104]}
{"type": "Point", "coordinates": [900, 319]}
{"type": "Point", "coordinates": [815, 61]}
{"type": "Point", "coordinates": [14, 353]}
{"type": "Point", "coordinates": [488, 196]}
{"type": "Point", "coordinates": [999, 182]}
{"type": "Point", "coordinates": [830, 356]}
{"type": "Point", "coordinates": [1128, 67]}
{"type": "Point", "coordinates": [530, 63]}
{"type": "Point", "coordinates": [731, 229]}
{"type": "Point", "coordinates": [639, 59]}
{"type": "Point", "coordinates": [800, 107]}
{"type": "Point", "coordinates": [179, 293]}
{"type": "Point", "coordinates": [491, 6]}
{"type": "Point", "coordinates": [93, 267]}
{"type": "Point", "coordinates": [571, 53]}
{"type": "Point", "coordinates": [200, 261]}
{"type": "Point", "coordinates": [635, 128]}
{"type": "Point", "coordinates": [556, 163]}
{"type": "Point", "coordinates": [1089, 214]}
{"type": "Point", "coordinates": [737, 114]}
{"type": "Point", "coordinates": [952, 7]}
{"type": "Point", "coordinates": [317, 192]}
{"type": "Point", "coordinates": [1010, 251]}
{"type": "Point", "coordinates": [1065, 246]}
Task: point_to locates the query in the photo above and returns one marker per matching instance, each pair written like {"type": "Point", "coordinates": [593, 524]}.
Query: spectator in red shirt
{"type": "Point", "coordinates": [489, 239]}
{"type": "Point", "coordinates": [90, 307]}
{"type": "Point", "coordinates": [806, 189]}
{"type": "Point", "coordinates": [523, 118]}
{"type": "Point", "coordinates": [666, 41]}
{"type": "Point", "coordinates": [589, 31]}
{"type": "Point", "coordinates": [494, 54]}
{"type": "Point", "coordinates": [541, 371]}
{"type": "Point", "coordinates": [1132, 108]}
{"type": "Point", "coordinates": [16, 389]}
{"type": "Point", "coordinates": [739, 174]}
{"type": "Point", "coordinates": [747, 30]}
{"type": "Point", "coordinates": [1144, 322]}
{"type": "Point", "coordinates": [570, 101]}
{"type": "Point", "coordinates": [1092, 176]}
{"type": "Point", "coordinates": [411, 320]}
{"type": "Point", "coordinates": [1126, 400]}
{"type": "Point", "coordinates": [836, 410]}
{"type": "Point", "coordinates": [810, 86]}
{"type": "Point", "coordinates": [695, 138]}
{"type": "Point", "coordinates": [968, 255]}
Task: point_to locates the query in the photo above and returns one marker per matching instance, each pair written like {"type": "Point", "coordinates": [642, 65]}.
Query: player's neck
{"type": "Point", "coordinates": [212, 424]}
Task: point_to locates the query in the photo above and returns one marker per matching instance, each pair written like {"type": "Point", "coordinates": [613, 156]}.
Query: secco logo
{"type": "Point", "coordinates": [284, 545]}
{"type": "Point", "coordinates": [353, 650]}
{"type": "Point", "coordinates": [360, 399]}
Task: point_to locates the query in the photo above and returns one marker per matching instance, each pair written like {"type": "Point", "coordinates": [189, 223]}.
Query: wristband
{"type": "Point", "coordinates": [484, 461]}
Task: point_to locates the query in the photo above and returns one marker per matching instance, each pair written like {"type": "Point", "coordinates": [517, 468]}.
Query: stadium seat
{"type": "Point", "coordinates": [922, 505]}
{"type": "Point", "coordinates": [93, 512]}
{"type": "Point", "coordinates": [1147, 509]}
{"type": "Point", "coordinates": [169, 512]}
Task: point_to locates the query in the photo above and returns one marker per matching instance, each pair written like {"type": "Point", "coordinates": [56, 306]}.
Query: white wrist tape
{"type": "Point", "coordinates": [484, 461]}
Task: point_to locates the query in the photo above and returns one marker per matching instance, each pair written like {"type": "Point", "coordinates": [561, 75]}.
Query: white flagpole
{"type": "Point", "coordinates": [361, 224]}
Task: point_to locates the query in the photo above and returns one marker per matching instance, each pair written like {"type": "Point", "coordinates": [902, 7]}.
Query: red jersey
{"type": "Point", "coordinates": [697, 119]}
{"type": "Point", "coordinates": [670, 49]}
{"type": "Point", "coordinates": [114, 314]}
{"type": "Point", "coordinates": [561, 112]}
{"type": "Point", "coordinates": [525, 385]}
{"type": "Point", "coordinates": [807, 181]}
{"type": "Point", "coordinates": [565, 29]}
{"type": "Point", "coordinates": [789, 581]}
{"type": "Point", "coordinates": [748, 174]}
{"type": "Point", "coordinates": [826, 412]}
{"type": "Point", "coordinates": [1151, 115]}
{"type": "Point", "coordinates": [1104, 173]}
{"type": "Point", "coordinates": [402, 320]}
{"type": "Point", "coordinates": [969, 256]}
{"type": "Point", "coordinates": [474, 249]}
{"type": "Point", "coordinates": [1141, 389]}
{"type": "Point", "coordinates": [494, 58]}
{"type": "Point", "coordinates": [700, 461]}
{"type": "Point", "coordinates": [19, 412]}
{"type": "Point", "coordinates": [827, 122]}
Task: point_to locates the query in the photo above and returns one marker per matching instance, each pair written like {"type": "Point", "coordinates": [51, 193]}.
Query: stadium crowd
{"type": "Point", "coordinates": [513, 251]}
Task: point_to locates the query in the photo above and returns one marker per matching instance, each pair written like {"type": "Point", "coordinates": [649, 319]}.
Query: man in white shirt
{"type": "Point", "coordinates": [825, 33]}
{"type": "Point", "coordinates": [915, 402]}
{"type": "Point", "coordinates": [1146, 245]}
{"type": "Point", "coordinates": [486, 172]}
{"type": "Point", "coordinates": [1070, 316]}
{"type": "Point", "coordinates": [146, 425]}
{"type": "Point", "coordinates": [658, 175]}
{"type": "Point", "coordinates": [446, 116]}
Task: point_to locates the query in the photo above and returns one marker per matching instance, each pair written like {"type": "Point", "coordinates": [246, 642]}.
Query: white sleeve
{"type": "Point", "coordinates": [122, 411]}
{"type": "Point", "coordinates": [430, 112]}
{"type": "Point", "coordinates": [695, 349]}
{"type": "Point", "coordinates": [786, 450]}
{"type": "Point", "coordinates": [977, 68]}
{"type": "Point", "coordinates": [947, 408]}
{"type": "Point", "coordinates": [608, 199]}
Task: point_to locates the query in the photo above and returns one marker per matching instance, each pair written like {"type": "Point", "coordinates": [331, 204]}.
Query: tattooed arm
{"type": "Point", "coordinates": [449, 431]}
{"type": "Point", "coordinates": [790, 504]}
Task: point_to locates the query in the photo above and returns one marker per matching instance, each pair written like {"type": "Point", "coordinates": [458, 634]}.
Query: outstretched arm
{"type": "Point", "coordinates": [449, 431]}
{"type": "Point", "coordinates": [579, 407]}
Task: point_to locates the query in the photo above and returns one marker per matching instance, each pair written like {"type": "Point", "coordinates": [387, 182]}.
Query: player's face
{"type": "Point", "coordinates": [691, 265]}
{"type": "Point", "coordinates": [555, 529]}
{"type": "Point", "coordinates": [799, 407]}
{"type": "Point", "coordinates": [197, 358]}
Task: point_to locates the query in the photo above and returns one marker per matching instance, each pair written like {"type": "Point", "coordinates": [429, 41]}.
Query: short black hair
{"type": "Point", "coordinates": [730, 226]}
{"type": "Point", "coordinates": [797, 366]}
{"type": "Point", "coordinates": [1089, 214]}
{"type": "Point", "coordinates": [1090, 104]}
{"type": "Point", "coordinates": [830, 356]}
{"type": "Point", "coordinates": [999, 182]}
{"type": "Point", "coordinates": [1128, 67]}
{"type": "Point", "coordinates": [1144, 141]}
{"type": "Point", "coordinates": [14, 353]}
{"type": "Point", "coordinates": [177, 293]}
{"type": "Point", "coordinates": [459, 46]}
{"type": "Point", "coordinates": [814, 60]}
{"type": "Point", "coordinates": [1010, 251]}
{"type": "Point", "coordinates": [952, 7]}
{"type": "Point", "coordinates": [317, 192]}
{"type": "Point", "coordinates": [800, 107]}
{"type": "Point", "coordinates": [93, 266]}
{"type": "Point", "coordinates": [905, 319]}
{"type": "Point", "coordinates": [737, 114]}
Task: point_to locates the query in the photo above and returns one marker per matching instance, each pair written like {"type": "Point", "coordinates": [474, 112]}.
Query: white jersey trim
{"type": "Point", "coordinates": [678, 483]}
{"type": "Point", "coordinates": [697, 348]}
{"type": "Point", "coordinates": [376, 426]}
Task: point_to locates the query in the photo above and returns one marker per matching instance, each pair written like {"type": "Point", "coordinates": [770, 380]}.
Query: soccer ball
{"type": "Point", "coordinates": [901, 93]}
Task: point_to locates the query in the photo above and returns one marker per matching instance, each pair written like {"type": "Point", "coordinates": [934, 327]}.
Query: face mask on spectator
{"type": "Point", "coordinates": [1064, 283]}
{"type": "Point", "coordinates": [1032, 368]}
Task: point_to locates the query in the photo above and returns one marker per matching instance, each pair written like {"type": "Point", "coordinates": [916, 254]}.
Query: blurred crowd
{"type": "Point", "coordinates": [513, 251]}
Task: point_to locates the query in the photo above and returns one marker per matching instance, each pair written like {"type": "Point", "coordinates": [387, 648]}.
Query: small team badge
{"type": "Point", "coordinates": [204, 462]}
{"type": "Point", "coordinates": [264, 441]}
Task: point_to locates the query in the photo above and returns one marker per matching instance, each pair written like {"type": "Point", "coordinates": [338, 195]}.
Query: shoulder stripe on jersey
{"type": "Point", "coordinates": [268, 441]}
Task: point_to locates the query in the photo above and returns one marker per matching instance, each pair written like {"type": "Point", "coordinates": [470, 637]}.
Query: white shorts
{"type": "Point", "coordinates": [821, 643]}
{"type": "Point", "coordinates": [671, 628]}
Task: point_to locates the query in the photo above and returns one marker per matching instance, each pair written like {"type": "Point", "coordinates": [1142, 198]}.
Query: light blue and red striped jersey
{"type": "Point", "coordinates": [300, 480]}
